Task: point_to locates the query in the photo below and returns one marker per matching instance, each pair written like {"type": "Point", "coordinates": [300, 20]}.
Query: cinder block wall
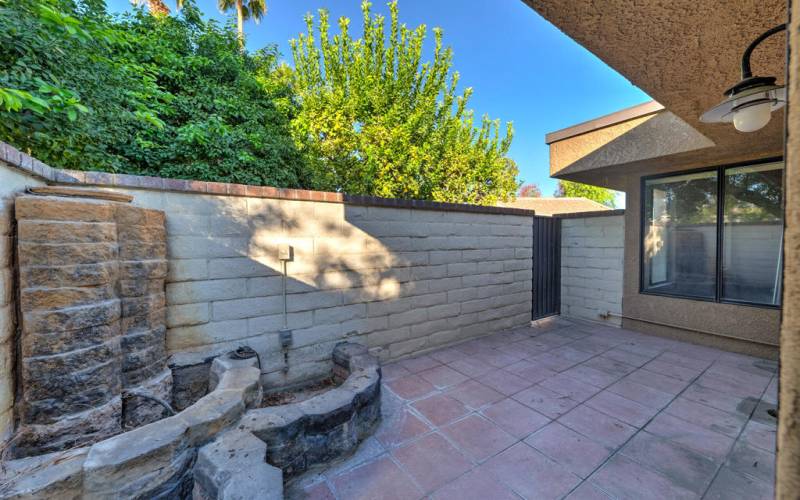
{"type": "Point", "coordinates": [592, 257]}
{"type": "Point", "coordinates": [401, 280]}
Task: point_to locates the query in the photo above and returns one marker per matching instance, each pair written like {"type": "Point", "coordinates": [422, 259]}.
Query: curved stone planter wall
{"type": "Point", "coordinates": [216, 446]}
{"type": "Point", "coordinates": [152, 461]}
{"type": "Point", "coordinates": [293, 437]}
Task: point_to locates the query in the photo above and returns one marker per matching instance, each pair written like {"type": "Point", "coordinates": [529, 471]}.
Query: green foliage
{"type": "Point", "coordinates": [375, 120]}
{"type": "Point", "coordinates": [579, 190]}
{"type": "Point", "coordinates": [138, 94]}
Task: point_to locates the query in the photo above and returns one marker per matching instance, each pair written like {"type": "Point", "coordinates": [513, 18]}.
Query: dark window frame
{"type": "Point", "coordinates": [718, 275]}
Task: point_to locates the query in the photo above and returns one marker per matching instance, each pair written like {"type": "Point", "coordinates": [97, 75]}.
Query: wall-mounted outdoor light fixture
{"type": "Point", "coordinates": [750, 102]}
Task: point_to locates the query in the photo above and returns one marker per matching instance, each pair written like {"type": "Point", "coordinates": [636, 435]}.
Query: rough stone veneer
{"type": "Point", "coordinates": [592, 258]}
{"type": "Point", "coordinates": [91, 279]}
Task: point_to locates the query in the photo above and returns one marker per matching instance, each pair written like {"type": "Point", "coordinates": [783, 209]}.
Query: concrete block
{"type": "Point", "coordinates": [205, 291]}
{"type": "Point", "coordinates": [187, 270]}
{"type": "Point", "coordinates": [246, 307]}
{"type": "Point", "coordinates": [188, 314]}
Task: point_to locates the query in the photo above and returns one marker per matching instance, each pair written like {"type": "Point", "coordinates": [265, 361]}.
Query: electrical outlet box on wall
{"type": "Point", "coordinates": [285, 252]}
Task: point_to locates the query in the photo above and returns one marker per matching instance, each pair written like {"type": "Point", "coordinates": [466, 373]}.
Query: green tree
{"type": "Point", "coordinates": [376, 120]}
{"type": "Point", "coordinates": [172, 96]}
{"type": "Point", "coordinates": [579, 190]}
{"type": "Point", "coordinates": [252, 9]}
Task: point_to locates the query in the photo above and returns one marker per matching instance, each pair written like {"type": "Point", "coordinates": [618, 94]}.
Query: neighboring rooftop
{"type": "Point", "coordinates": [555, 206]}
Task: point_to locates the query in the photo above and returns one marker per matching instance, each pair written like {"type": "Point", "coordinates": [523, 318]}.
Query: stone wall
{"type": "Point", "coordinates": [399, 276]}
{"type": "Point", "coordinates": [592, 257]}
{"type": "Point", "coordinates": [398, 280]}
{"type": "Point", "coordinates": [91, 288]}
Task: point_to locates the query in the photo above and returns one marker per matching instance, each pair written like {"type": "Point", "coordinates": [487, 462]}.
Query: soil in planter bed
{"type": "Point", "coordinates": [299, 394]}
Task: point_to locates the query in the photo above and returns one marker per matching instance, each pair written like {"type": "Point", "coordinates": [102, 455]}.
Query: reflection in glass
{"type": "Point", "coordinates": [680, 242]}
{"type": "Point", "coordinates": [753, 226]}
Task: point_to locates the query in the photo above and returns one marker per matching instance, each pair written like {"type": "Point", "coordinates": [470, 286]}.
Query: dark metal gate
{"type": "Point", "coordinates": [546, 266]}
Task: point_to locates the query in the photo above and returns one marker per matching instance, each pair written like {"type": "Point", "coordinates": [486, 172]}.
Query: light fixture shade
{"type": "Point", "coordinates": [724, 112]}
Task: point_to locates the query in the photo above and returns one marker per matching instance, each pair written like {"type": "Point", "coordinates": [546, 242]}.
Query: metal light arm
{"type": "Point", "coordinates": [746, 72]}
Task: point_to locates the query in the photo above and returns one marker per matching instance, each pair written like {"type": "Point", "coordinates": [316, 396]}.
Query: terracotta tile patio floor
{"type": "Point", "coordinates": [566, 410]}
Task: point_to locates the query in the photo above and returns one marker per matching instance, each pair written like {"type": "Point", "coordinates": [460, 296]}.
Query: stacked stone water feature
{"type": "Point", "coordinates": [92, 320]}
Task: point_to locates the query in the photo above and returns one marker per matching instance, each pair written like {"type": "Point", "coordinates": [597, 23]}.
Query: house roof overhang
{"type": "Point", "coordinates": [684, 54]}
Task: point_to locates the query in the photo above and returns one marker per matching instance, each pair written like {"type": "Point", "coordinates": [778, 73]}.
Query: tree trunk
{"type": "Point", "coordinates": [157, 8]}
{"type": "Point", "coordinates": [240, 22]}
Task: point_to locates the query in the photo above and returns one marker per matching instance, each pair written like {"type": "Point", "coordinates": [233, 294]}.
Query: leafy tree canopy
{"type": "Point", "coordinates": [375, 119]}
{"type": "Point", "coordinates": [579, 190]}
{"type": "Point", "coordinates": [142, 94]}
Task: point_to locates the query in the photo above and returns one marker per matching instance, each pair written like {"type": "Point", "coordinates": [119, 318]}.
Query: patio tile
{"type": "Point", "coordinates": [471, 367]}
{"type": "Point", "coordinates": [419, 363]}
{"type": "Point", "coordinates": [627, 357]}
{"type": "Point", "coordinates": [504, 382]}
{"type": "Point", "coordinates": [625, 479]}
{"type": "Point", "coordinates": [685, 468]}
{"type": "Point", "coordinates": [577, 453]}
{"type": "Point", "coordinates": [588, 491]}
{"type": "Point", "coordinates": [771, 392]}
{"type": "Point", "coordinates": [379, 479]}
{"type": "Point", "coordinates": [657, 381]}
{"type": "Point", "coordinates": [694, 437]}
{"type": "Point", "coordinates": [552, 362]}
{"type": "Point", "coordinates": [719, 421]}
{"type": "Point", "coordinates": [393, 371]}
{"type": "Point", "coordinates": [531, 474]}
{"type": "Point", "coordinates": [646, 396]}
{"type": "Point", "coordinates": [515, 418]}
{"type": "Point", "coordinates": [672, 370]}
{"type": "Point", "coordinates": [533, 374]}
{"type": "Point", "coordinates": [440, 409]}
{"type": "Point", "coordinates": [592, 345]}
{"type": "Point", "coordinates": [319, 491]}
{"type": "Point", "coordinates": [443, 376]}
{"type": "Point", "coordinates": [685, 361]}
{"type": "Point", "coordinates": [762, 416]}
{"type": "Point", "coordinates": [571, 354]}
{"type": "Point", "coordinates": [474, 394]}
{"type": "Point", "coordinates": [752, 461]}
{"type": "Point", "coordinates": [592, 376]}
{"type": "Point", "coordinates": [719, 400]}
{"type": "Point", "coordinates": [760, 436]}
{"type": "Point", "coordinates": [410, 387]}
{"type": "Point", "coordinates": [729, 484]}
{"type": "Point", "coordinates": [545, 401]}
{"type": "Point", "coordinates": [401, 427]}
{"type": "Point", "coordinates": [475, 485]}
{"type": "Point", "coordinates": [610, 366]}
{"type": "Point", "coordinates": [432, 461]}
{"type": "Point", "coordinates": [621, 408]}
{"type": "Point", "coordinates": [598, 426]}
{"type": "Point", "coordinates": [500, 359]}
{"type": "Point", "coordinates": [471, 347]}
{"type": "Point", "coordinates": [478, 438]}
{"type": "Point", "coordinates": [568, 386]}
{"type": "Point", "coordinates": [734, 387]}
{"type": "Point", "coordinates": [447, 355]}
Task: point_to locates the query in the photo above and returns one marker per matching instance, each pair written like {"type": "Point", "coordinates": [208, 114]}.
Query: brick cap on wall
{"type": "Point", "coordinates": [594, 213]}
{"type": "Point", "coordinates": [32, 166]}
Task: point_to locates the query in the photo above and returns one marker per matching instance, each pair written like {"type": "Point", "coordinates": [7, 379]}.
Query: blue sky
{"type": "Point", "coordinates": [521, 67]}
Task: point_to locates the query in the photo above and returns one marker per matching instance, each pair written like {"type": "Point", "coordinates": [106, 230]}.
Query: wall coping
{"type": "Point", "coordinates": [594, 213]}
{"type": "Point", "coordinates": [22, 161]}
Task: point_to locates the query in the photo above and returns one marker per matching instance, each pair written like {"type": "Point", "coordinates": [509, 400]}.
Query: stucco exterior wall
{"type": "Point", "coordinates": [592, 256]}
{"type": "Point", "coordinates": [399, 280]}
{"type": "Point", "coordinates": [787, 466]}
{"type": "Point", "coordinates": [746, 329]}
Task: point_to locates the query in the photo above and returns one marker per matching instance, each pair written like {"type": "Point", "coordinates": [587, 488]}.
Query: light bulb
{"type": "Point", "coordinates": [752, 118]}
